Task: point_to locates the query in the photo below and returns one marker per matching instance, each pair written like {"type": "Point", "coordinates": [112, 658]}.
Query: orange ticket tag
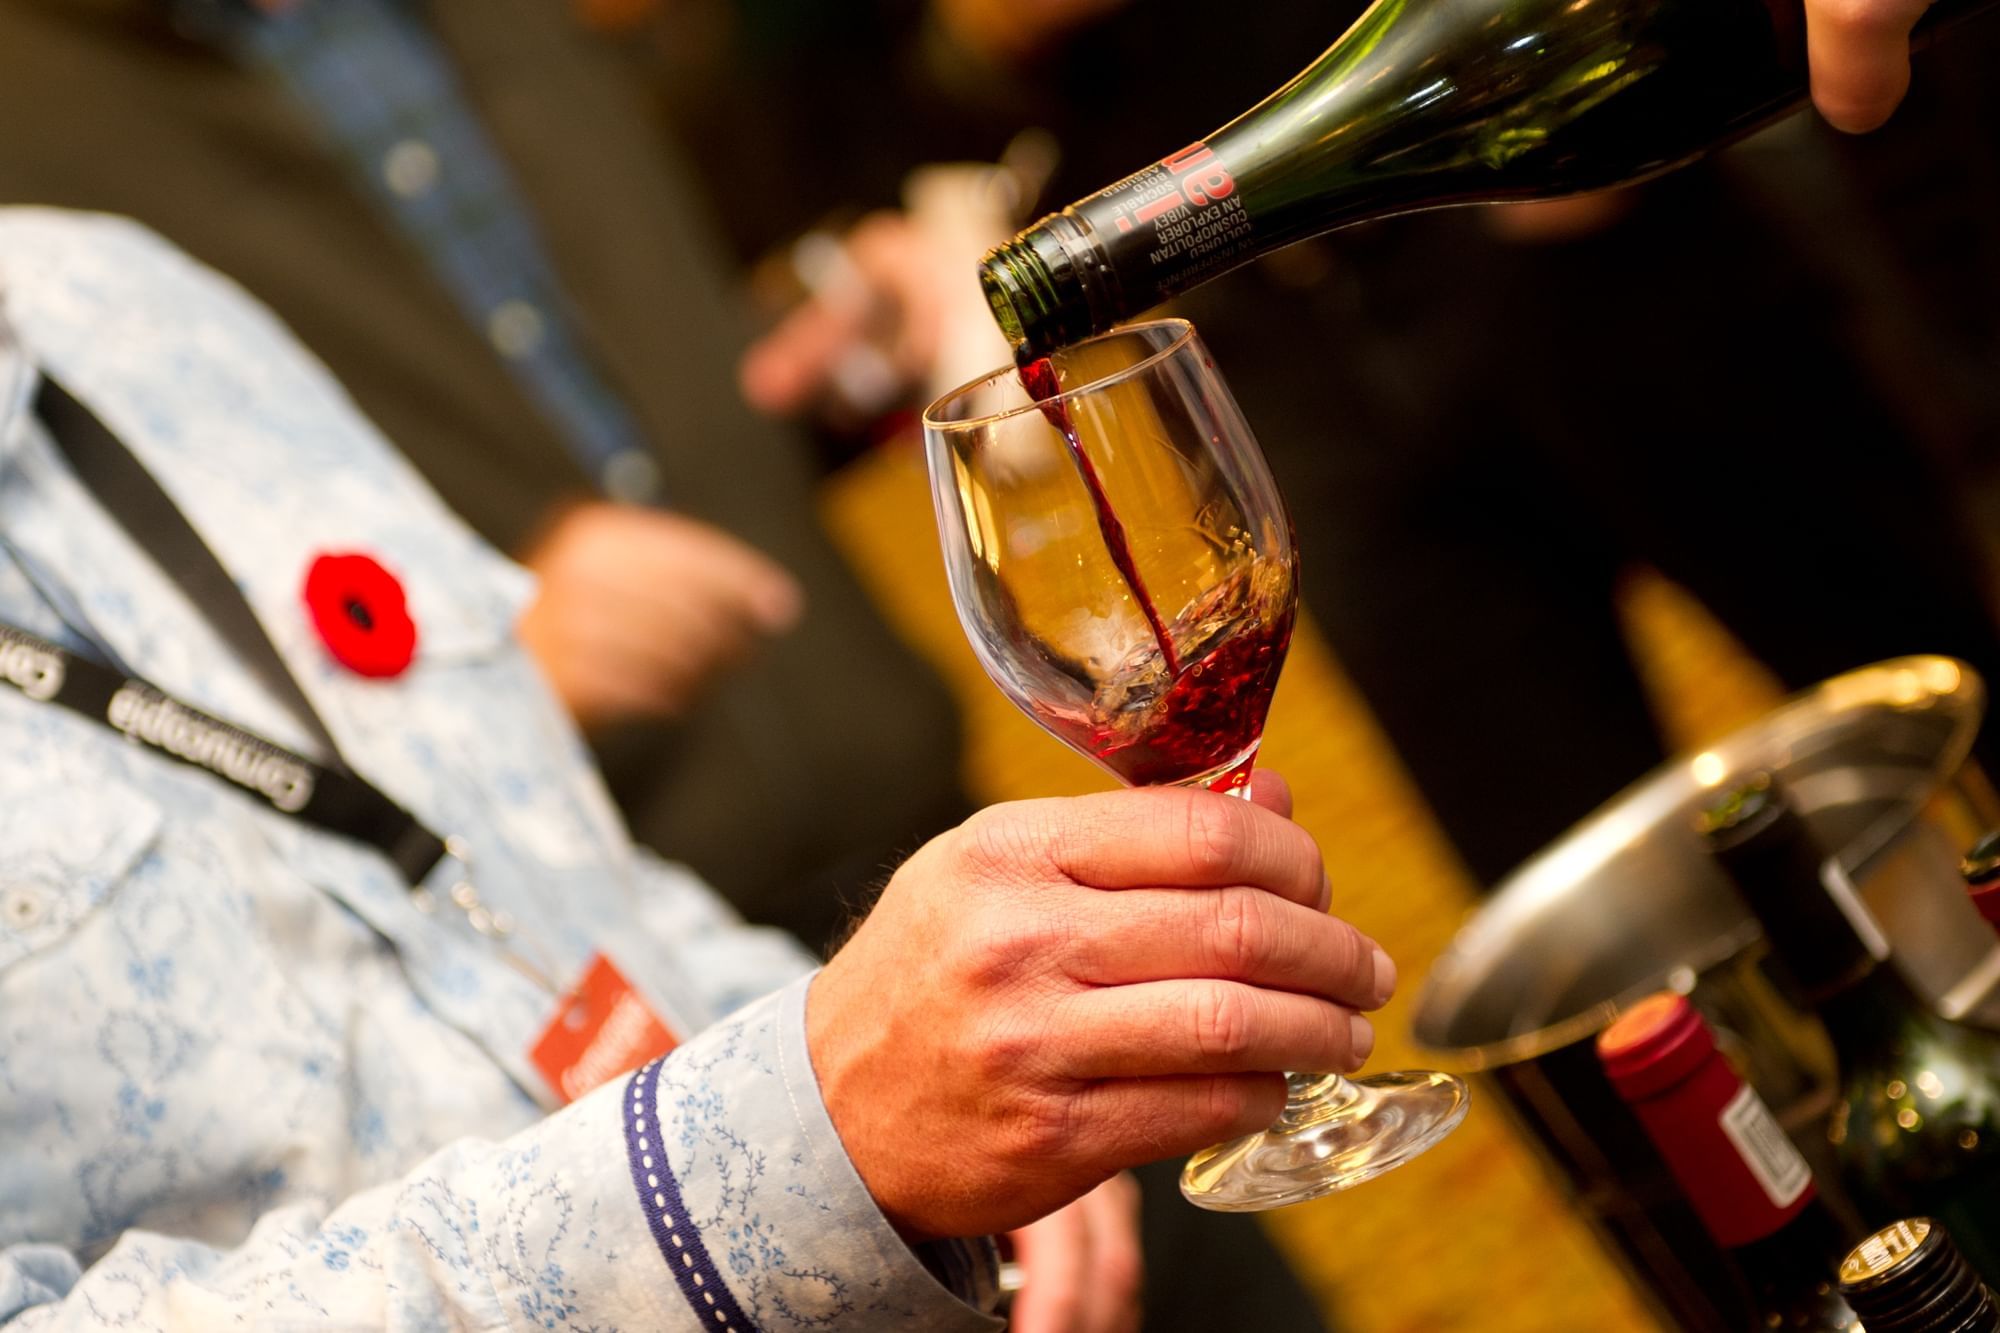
{"type": "Point", "coordinates": [601, 1030]}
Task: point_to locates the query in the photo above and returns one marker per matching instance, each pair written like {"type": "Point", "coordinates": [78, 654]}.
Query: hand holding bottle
{"type": "Point", "coordinates": [1860, 56]}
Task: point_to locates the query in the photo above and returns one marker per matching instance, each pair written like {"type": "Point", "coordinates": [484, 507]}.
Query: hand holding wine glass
{"type": "Point", "coordinates": [1060, 989]}
{"type": "Point", "coordinates": [1125, 569]}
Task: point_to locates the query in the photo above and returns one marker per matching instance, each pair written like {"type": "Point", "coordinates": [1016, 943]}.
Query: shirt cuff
{"type": "Point", "coordinates": [752, 1202]}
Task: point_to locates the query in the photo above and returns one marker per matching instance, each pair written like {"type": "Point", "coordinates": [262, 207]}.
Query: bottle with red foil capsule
{"type": "Point", "coordinates": [1745, 1179]}
{"type": "Point", "coordinates": [1909, 1278]}
{"type": "Point", "coordinates": [1981, 868]}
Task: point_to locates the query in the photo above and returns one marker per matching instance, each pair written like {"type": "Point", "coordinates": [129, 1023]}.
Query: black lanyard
{"type": "Point", "coordinates": [328, 795]}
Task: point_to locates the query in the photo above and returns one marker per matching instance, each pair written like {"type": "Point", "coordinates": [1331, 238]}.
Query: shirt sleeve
{"type": "Point", "coordinates": [706, 1191]}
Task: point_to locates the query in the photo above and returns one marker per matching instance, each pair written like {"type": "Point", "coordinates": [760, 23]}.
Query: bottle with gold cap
{"type": "Point", "coordinates": [1916, 1127]}
{"type": "Point", "coordinates": [1909, 1278]}
{"type": "Point", "coordinates": [1747, 1183]}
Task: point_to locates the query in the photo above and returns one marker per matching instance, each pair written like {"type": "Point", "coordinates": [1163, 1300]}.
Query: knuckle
{"type": "Point", "coordinates": [1221, 1104]}
{"type": "Point", "coordinates": [1011, 842]}
{"type": "Point", "coordinates": [1004, 945]}
{"type": "Point", "coordinates": [1222, 1023]}
{"type": "Point", "coordinates": [1239, 934]}
{"type": "Point", "coordinates": [998, 1052]}
{"type": "Point", "coordinates": [986, 841]}
{"type": "Point", "coordinates": [1043, 1130]}
{"type": "Point", "coordinates": [1217, 836]}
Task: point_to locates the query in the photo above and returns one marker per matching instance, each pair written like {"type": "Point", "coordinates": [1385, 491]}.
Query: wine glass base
{"type": "Point", "coordinates": [1318, 1150]}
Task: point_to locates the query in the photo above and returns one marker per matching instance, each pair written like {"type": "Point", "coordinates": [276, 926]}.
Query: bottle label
{"type": "Point", "coordinates": [1762, 1145]}
{"type": "Point", "coordinates": [1169, 226]}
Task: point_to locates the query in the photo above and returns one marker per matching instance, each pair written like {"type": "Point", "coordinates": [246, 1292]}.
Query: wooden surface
{"type": "Point", "coordinates": [1473, 1235]}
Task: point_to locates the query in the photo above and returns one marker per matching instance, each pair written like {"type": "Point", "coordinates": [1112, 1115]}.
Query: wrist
{"type": "Point", "coordinates": [842, 1060]}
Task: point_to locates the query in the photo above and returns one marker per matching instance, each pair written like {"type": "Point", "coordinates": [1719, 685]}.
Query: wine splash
{"type": "Point", "coordinates": [1192, 703]}
{"type": "Point", "coordinates": [1153, 726]}
{"type": "Point", "coordinates": [1038, 377]}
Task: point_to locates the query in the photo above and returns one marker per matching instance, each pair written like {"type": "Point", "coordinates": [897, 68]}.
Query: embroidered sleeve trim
{"type": "Point", "coordinates": [680, 1243]}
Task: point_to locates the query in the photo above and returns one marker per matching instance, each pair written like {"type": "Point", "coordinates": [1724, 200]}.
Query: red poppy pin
{"type": "Point", "coordinates": [359, 610]}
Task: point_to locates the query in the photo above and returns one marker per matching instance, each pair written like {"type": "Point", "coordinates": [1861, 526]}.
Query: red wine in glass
{"type": "Point", "coordinates": [1191, 703]}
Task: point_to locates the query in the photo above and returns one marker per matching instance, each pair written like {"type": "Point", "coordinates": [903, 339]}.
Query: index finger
{"type": "Point", "coordinates": [1859, 51]}
{"type": "Point", "coordinates": [1175, 837]}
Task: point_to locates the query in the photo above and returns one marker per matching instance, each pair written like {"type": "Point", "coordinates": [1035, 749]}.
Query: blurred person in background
{"type": "Point", "coordinates": [467, 209]}
{"type": "Point", "coordinates": [1484, 420]}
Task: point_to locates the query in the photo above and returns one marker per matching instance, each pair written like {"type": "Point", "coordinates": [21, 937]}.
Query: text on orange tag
{"type": "Point", "coordinates": [602, 1029]}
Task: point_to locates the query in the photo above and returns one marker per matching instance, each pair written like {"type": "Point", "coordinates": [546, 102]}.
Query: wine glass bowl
{"type": "Point", "coordinates": [1156, 661]}
{"type": "Point", "coordinates": [1125, 569]}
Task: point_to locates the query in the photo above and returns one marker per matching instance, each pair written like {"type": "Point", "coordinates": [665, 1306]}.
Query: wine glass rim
{"type": "Point", "coordinates": [1183, 336]}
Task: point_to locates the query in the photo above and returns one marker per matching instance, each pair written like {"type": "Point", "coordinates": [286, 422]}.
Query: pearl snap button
{"type": "Point", "coordinates": [22, 906]}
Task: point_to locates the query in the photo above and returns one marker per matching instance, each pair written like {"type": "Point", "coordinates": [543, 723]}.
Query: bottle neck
{"type": "Point", "coordinates": [1048, 287]}
{"type": "Point", "coordinates": [1811, 914]}
{"type": "Point", "coordinates": [1809, 1245]}
{"type": "Point", "coordinates": [1801, 1257]}
{"type": "Point", "coordinates": [1742, 1175]}
{"type": "Point", "coordinates": [1873, 1007]}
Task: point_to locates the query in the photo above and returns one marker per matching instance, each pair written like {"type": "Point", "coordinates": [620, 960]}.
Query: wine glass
{"type": "Point", "coordinates": [1126, 571]}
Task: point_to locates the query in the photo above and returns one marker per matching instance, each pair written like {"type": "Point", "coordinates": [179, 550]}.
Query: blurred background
{"type": "Point", "coordinates": [1577, 485]}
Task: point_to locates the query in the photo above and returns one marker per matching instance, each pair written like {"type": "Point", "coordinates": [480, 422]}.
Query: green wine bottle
{"type": "Point", "coordinates": [1422, 103]}
{"type": "Point", "coordinates": [1916, 1127]}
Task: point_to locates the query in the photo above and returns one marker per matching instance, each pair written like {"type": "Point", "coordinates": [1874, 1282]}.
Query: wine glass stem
{"type": "Point", "coordinates": [1236, 782]}
{"type": "Point", "coordinates": [1310, 1098]}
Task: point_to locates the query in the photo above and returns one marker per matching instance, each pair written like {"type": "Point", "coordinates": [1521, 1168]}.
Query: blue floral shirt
{"type": "Point", "coordinates": [245, 1082]}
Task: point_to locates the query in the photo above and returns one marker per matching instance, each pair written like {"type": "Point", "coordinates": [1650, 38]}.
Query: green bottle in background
{"type": "Point", "coordinates": [1916, 1123]}
{"type": "Point", "coordinates": [1422, 103]}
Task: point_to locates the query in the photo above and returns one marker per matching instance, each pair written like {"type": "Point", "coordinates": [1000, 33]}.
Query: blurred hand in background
{"type": "Point", "coordinates": [639, 609]}
{"type": "Point", "coordinates": [1015, 30]}
{"type": "Point", "coordinates": [1081, 1265]}
{"type": "Point", "coordinates": [1860, 55]}
{"type": "Point", "coordinates": [867, 330]}
{"type": "Point", "coordinates": [892, 310]}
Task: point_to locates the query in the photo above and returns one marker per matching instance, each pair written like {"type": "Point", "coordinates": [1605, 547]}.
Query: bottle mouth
{"type": "Point", "coordinates": [1046, 286]}
{"type": "Point", "coordinates": [1742, 812]}
{"type": "Point", "coordinates": [1654, 1045]}
{"type": "Point", "coordinates": [1909, 1276]}
{"type": "Point", "coordinates": [1981, 865]}
{"type": "Point", "coordinates": [1005, 270]}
